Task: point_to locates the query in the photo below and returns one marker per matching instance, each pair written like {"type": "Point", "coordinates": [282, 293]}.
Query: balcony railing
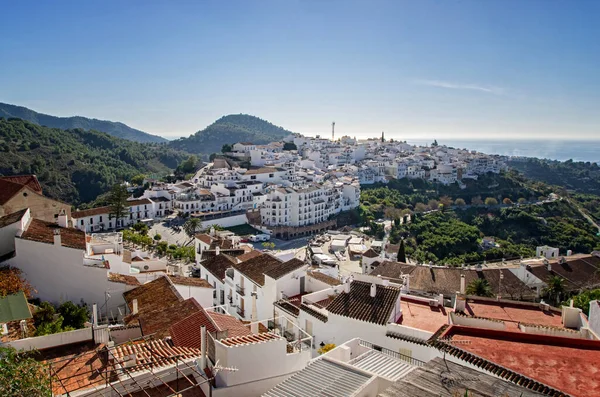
{"type": "Point", "coordinates": [240, 312]}
{"type": "Point", "coordinates": [239, 290]}
{"type": "Point", "coordinates": [392, 353]}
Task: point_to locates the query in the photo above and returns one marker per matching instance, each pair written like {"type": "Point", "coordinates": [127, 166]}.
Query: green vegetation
{"type": "Point", "coordinates": [161, 248]}
{"type": "Point", "coordinates": [229, 130]}
{"type": "Point", "coordinates": [21, 375]}
{"type": "Point", "coordinates": [583, 300]}
{"type": "Point", "coordinates": [479, 287]}
{"type": "Point", "coordinates": [290, 146]}
{"type": "Point", "coordinates": [579, 177]}
{"type": "Point", "coordinates": [191, 226]}
{"type": "Point", "coordinates": [117, 200]}
{"type": "Point", "coordinates": [77, 166]}
{"type": "Point", "coordinates": [69, 317]}
{"type": "Point", "coordinates": [555, 289]}
{"type": "Point", "coordinates": [116, 129]}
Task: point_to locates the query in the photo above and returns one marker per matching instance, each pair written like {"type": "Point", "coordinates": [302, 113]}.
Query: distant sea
{"type": "Point", "coordinates": [547, 149]}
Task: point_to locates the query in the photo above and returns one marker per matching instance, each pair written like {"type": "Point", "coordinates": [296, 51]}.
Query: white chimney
{"type": "Point", "coordinates": [549, 266]}
{"type": "Point", "coordinates": [217, 250]}
{"type": "Point", "coordinates": [386, 282]}
{"type": "Point", "coordinates": [135, 306]}
{"type": "Point", "coordinates": [254, 325]}
{"type": "Point", "coordinates": [57, 241]}
{"type": "Point", "coordinates": [460, 303]}
{"type": "Point", "coordinates": [569, 252]}
{"type": "Point", "coordinates": [373, 290]}
{"type": "Point", "coordinates": [462, 284]}
{"type": "Point", "coordinates": [23, 325]}
{"type": "Point", "coordinates": [63, 220]}
{"type": "Point", "coordinates": [95, 314]}
{"type": "Point", "coordinates": [347, 286]}
{"type": "Point", "coordinates": [203, 347]}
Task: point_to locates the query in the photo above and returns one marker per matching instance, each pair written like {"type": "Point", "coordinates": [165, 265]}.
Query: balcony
{"type": "Point", "coordinates": [239, 290]}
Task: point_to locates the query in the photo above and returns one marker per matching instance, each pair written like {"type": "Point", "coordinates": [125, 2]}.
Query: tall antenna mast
{"type": "Point", "coordinates": [333, 131]}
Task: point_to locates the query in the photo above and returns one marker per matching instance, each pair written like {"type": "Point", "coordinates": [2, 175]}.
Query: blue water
{"type": "Point", "coordinates": [548, 149]}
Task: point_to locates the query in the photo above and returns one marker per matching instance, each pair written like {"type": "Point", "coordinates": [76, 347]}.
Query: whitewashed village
{"type": "Point", "coordinates": [278, 294]}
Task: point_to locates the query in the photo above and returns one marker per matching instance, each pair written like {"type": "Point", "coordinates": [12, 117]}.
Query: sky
{"type": "Point", "coordinates": [493, 69]}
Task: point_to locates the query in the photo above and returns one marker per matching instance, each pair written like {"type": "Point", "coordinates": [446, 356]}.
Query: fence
{"type": "Point", "coordinates": [391, 353]}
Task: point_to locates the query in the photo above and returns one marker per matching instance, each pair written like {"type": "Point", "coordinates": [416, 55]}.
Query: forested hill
{"type": "Point", "coordinates": [228, 130]}
{"type": "Point", "coordinates": [76, 166]}
{"type": "Point", "coordinates": [117, 129]}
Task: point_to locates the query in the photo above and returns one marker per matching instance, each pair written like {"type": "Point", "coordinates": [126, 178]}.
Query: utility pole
{"type": "Point", "coordinates": [333, 131]}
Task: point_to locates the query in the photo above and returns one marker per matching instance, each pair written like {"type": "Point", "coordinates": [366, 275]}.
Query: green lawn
{"type": "Point", "coordinates": [243, 230]}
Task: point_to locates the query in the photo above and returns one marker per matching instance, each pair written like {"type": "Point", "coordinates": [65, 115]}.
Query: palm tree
{"type": "Point", "coordinates": [191, 226]}
{"type": "Point", "coordinates": [479, 287]}
{"type": "Point", "coordinates": [554, 289]}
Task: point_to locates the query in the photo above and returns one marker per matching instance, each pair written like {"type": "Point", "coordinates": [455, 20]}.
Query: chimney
{"type": "Point", "coordinates": [549, 266]}
{"type": "Point", "coordinates": [462, 284]}
{"type": "Point", "coordinates": [95, 314]}
{"type": "Point", "coordinates": [57, 237]}
{"type": "Point", "coordinates": [373, 290]}
{"type": "Point", "coordinates": [460, 303]}
{"type": "Point", "coordinates": [203, 347]}
{"type": "Point", "coordinates": [386, 282]}
{"type": "Point", "coordinates": [254, 325]}
{"type": "Point", "coordinates": [217, 250]}
{"type": "Point", "coordinates": [63, 220]}
{"type": "Point", "coordinates": [135, 306]}
{"type": "Point", "coordinates": [347, 286]}
{"type": "Point", "coordinates": [569, 252]}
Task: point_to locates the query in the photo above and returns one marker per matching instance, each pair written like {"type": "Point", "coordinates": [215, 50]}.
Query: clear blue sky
{"type": "Point", "coordinates": [415, 69]}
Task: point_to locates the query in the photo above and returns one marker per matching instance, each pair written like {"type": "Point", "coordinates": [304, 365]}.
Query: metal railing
{"type": "Point", "coordinates": [392, 353]}
{"type": "Point", "coordinates": [239, 290]}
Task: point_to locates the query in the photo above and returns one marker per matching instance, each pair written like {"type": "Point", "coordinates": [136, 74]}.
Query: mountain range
{"type": "Point", "coordinates": [117, 129]}
{"type": "Point", "coordinates": [229, 130]}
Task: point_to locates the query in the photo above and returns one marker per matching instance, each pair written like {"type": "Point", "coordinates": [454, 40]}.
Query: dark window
{"type": "Point", "coordinates": [100, 218]}
{"type": "Point", "coordinates": [253, 177]}
{"type": "Point", "coordinates": [82, 222]}
{"type": "Point", "coordinates": [91, 221]}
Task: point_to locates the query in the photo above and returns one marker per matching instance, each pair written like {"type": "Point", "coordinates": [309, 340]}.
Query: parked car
{"type": "Point", "coordinates": [259, 237]}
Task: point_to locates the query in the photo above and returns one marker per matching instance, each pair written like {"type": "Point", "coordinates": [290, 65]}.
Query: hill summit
{"type": "Point", "coordinates": [228, 130]}
{"type": "Point", "coordinates": [113, 128]}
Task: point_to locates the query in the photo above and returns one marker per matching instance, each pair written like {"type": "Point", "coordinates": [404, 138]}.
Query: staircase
{"type": "Point", "coordinates": [382, 365]}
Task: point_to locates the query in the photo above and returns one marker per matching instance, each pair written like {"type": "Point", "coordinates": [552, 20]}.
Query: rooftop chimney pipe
{"type": "Point", "coordinates": [135, 306]}
{"type": "Point", "coordinates": [203, 347]}
{"type": "Point", "coordinates": [373, 290]}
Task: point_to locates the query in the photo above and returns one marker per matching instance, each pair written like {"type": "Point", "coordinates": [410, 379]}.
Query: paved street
{"type": "Point", "coordinates": [168, 234]}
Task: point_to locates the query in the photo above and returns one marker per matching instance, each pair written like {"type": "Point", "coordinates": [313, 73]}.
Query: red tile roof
{"type": "Point", "coordinates": [205, 238]}
{"type": "Point", "coordinates": [420, 315]}
{"type": "Point", "coordinates": [232, 325]}
{"type": "Point", "coordinates": [370, 253]}
{"type": "Point", "coordinates": [91, 212]}
{"type": "Point", "coordinates": [513, 313]}
{"type": "Point", "coordinates": [359, 305]}
{"type": "Point", "coordinates": [217, 265]}
{"type": "Point", "coordinates": [249, 339]}
{"type": "Point", "coordinates": [8, 190]}
{"type": "Point", "coordinates": [131, 203]}
{"type": "Point", "coordinates": [152, 354]}
{"type": "Point", "coordinates": [190, 281]}
{"type": "Point", "coordinates": [324, 278]}
{"type": "Point", "coordinates": [255, 268]}
{"type": "Point", "coordinates": [248, 255]}
{"type": "Point", "coordinates": [123, 279]}
{"type": "Point", "coordinates": [567, 364]}
{"type": "Point", "coordinates": [158, 322]}
{"type": "Point", "coordinates": [12, 218]}
{"type": "Point", "coordinates": [277, 272]}
{"type": "Point", "coordinates": [43, 232]}
{"type": "Point", "coordinates": [30, 181]}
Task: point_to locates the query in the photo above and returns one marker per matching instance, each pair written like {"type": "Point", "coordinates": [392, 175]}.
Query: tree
{"type": "Point", "coordinates": [490, 201]}
{"type": "Point", "coordinates": [290, 146]}
{"type": "Point", "coordinates": [401, 252]}
{"type": "Point", "coordinates": [582, 301]}
{"type": "Point", "coordinates": [138, 179]}
{"type": "Point", "coordinates": [191, 226]}
{"type": "Point", "coordinates": [188, 166]}
{"type": "Point", "coordinates": [420, 207]}
{"type": "Point", "coordinates": [11, 282]}
{"type": "Point", "coordinates": [446, 201]}
{"type": "Point", "coordinates": [268, 245]}
{"type": "Point", "coordinates": [522, 200]}
{"type": "Point", "coordinates": [459, 202]}
{"type": "Point", "coordinates": [479, 287]}
{"type": "Point", "coordinates": [226, 148]}
{"type": "Point", "coordinates": [141, 228]}
{"type": "Point", "coordinates": [212, 156]}
{"type": "Point", "coordinates": [554, 289]}
{"type": "Point", "coordinates": [157, 237]}
{"type": "Point", "coordinates": [46, 322]}
{"type": "Point", "coordinates": [476, 200]}
{"type": "Point", "coordinates": [74, 316]}
{"type": "Point", "coordinates": [507, 201]}
{"type": "Point", "coordinates": [117, 201]}
{"type": "Point", "coordinates": [21, 375]}
{"type": "Point", "coordinates": [433, 205]}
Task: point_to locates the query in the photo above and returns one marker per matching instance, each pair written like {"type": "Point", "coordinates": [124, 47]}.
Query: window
{"type": "Point", "coordinates": [82, 222]}
{"type": "Point", "coordinates": [271, 175]}
{"type": "Point", "coordinates": [253, 177]}
{"type": "Point", "coordinates": [100, 218]}
{"type": "Point", "coordinates": [91, 221]}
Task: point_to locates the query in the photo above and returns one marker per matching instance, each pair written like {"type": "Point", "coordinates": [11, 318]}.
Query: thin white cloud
{"type": "Point", "coordinates": [457, 86]}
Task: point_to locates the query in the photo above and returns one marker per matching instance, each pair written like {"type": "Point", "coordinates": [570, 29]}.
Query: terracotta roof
{"type": "Point", "coordinates": [393, 270]}
{"type": "Point", "coordinates": [250, 339]}
{"type": "Point", "coordinates": [261, 170]}
{"type": "Point", "coordinates": [288, 307]}
{"type": "Point", "coordinates": [370, 253]}
{"type": "Point", "coordinates": [153, 354]}
{"type": "Point", "coordinates": [8, 190]}
{"type": "Point", "coordinates": [131, 203]}
{"type": "Point", "coordinates": [248, 255]}
{"type": "Point", "coordinates": [123, 279]}
{"type": "Point", "coordinates": [359, 305]}
{"type": "Point", "coordinates": [316, 314]}
{"type": "Point", "coordinates": [205, 238]}
{"type": "Point", "coordinates": [324, 278]}
{"type": "Point", "coordinates": [284, 268]}
{"type": "Point", "coordinates": [187, 332]}
{"type": "Point", "coordinates": [190, 281]}
{"type": "Point", "coordinates": [578, 272]}
{"type": "Point", "coordinates": [43, 232]}
{"type": "Point", "coordinates": [30, 181]}
{"type": "Point", "coordinates": [255, 268]}
{"type": "Point", "coordinates": [160, 199]}
{"type": "Point", "coordinates": [217, 265]}
{"type": "Point", "coordinates": [12, 218]}
{"type": "Point", "coordinates": [153, 295]}
{"type": "Point", "coordinates": [551, 365]}
{"type": "Point", "coordinates": [91, 212]}
{"type": "Point", "coordinates": [158, 322]}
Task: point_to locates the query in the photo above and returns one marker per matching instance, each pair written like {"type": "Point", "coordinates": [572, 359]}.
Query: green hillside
{"type": "Point", "coordinates": [228, 130]}
{"type": "Point", "coordinates": [76, 166]}
{"type": "Point", "coordinates": [119, 130]}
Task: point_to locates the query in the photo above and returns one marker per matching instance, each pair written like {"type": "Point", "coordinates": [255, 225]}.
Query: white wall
{"type": "Point", "coordinates": [272, 357]}
{"type": "Point", "coordinates": [204, 296]}
{"type": "Point", "coordinates": [226, 222]}
{"type": "Point", "coordinates": [58, 275]}
{"type": "Point", "coordinates": [53, 340]}
{"type": "Point", "coordinates": [594, 318]}
{"type": "Point", "coordinates": [7, 238]}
